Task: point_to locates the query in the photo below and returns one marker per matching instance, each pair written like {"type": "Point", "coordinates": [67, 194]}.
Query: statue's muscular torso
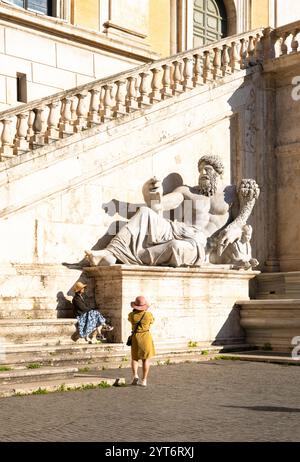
{"type": "Point", "coordinates": [209, 214]}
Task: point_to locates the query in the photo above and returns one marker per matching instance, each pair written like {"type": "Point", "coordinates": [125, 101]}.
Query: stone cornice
{"type": "Point", "coordinates": [216, 271]}
{"type": "Point", "coordinates": [57, 27]}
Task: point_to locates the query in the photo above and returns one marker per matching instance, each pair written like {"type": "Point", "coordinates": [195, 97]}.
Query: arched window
{"type": "Point", "coordinates": [209, 21]}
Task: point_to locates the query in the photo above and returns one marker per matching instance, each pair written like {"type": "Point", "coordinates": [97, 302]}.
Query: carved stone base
{"type": "Point", "coordinates": [190, 304]}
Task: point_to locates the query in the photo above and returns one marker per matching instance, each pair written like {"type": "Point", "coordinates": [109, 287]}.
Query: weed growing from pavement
{"type": "Point", "coordinates": [40, 391]}
{"type": "Point", "coordinates": [125, 359]}
{"type": "Point", "coordinates": [192, 344]}
{"type": "Point", "coordinates": [267, 347]}
{"type": "Point", "coordinates": [33, 366]}
{"type": "Point", "coordinates": [5, 368]}
{"type": "Point", "coordinates": [204, 352]}
{"type": "Point", "coordinates": [84, 369]}
{"type": "Point", "coordinates": [63, 388]}
{"type": "Point", "coordinates": [231, 358]}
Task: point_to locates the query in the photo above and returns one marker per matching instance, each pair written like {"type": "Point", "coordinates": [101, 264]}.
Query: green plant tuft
{"type": "Point", "coordinates": [33, 366]}
{"type": "Point", "coordinates": [267, 347]}
{"type": "Point", "coordinates": [192, 344]}
{"type": "Point", "coordinates": [40, 391]}
{"type": "Point", "coordinates": [5, 368]}
{"type": "Point", "coordinates": [84, 369]}
{"type": "Point", "coordinates": [204, 352]}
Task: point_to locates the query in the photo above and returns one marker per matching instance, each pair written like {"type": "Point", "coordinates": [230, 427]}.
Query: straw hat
{"type": "Point", "coordinates": [78, 286]}
{"type": "Point", "coordinates": [140, 303]}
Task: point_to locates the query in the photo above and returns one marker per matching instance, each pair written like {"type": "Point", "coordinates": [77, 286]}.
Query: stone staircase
{"type": "Point", "coordinates": [31, 126]}
{"type": "Point", "coordinates": [41, 154]}
{"type": "Point", "coordinates": [272, 320]}
{"type": "Point", "coordinates": [28, 367]}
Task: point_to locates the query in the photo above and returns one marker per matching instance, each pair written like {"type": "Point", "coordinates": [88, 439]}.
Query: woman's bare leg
{"type": "Point", "coordinates": [146, 367]}
{"type": "Point", "coordinates": [134, 367]}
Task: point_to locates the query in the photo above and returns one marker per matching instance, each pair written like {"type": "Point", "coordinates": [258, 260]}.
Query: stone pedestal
{"type": "Point", "coordinates": [190, 304]}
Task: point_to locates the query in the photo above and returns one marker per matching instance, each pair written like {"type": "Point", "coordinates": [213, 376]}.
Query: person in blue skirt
{"type": "Point", "coordinates": [90, 321]}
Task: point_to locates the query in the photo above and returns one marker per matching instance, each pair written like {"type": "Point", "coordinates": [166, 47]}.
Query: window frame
{"type": "Point", "coordinates": [60, 9]}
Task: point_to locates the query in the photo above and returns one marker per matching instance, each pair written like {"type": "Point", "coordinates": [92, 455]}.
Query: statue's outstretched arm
{"type": "Point", "coordinates": [248, 192]}
{"type": "Point", "coordinates": [154, 198]}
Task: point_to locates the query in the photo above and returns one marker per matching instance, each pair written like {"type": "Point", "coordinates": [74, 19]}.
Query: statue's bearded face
{"type": "Point", "coordinates": [207, 180]}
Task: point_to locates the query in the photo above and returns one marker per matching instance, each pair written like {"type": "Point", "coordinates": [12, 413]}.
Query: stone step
{"type": "Point", "coordinates": [66, 384]}
{"type": "Point", "coordinates": [271, 323]}
{"type": "Point", "coordinates": [36, 330]}
{"type": "Point", "coordinates": [98, 356]}
{"type": "Point", "coordinates": [264, 356]}
{"type": "Point", "coordinates": [30, 375]}
{"type": "Point", "coordinates": [285, 285]}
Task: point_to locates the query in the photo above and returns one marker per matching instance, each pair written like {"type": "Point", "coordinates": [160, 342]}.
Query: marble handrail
{"type": "Point", "coordinates": [44, 121]}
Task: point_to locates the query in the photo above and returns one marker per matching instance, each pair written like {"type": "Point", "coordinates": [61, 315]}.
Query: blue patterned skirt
{"type": "Point", "coordinates": [87, 322]}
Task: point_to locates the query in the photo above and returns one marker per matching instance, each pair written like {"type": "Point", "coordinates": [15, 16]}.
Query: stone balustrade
{"type": "Point", "coordinates": [284, 40]}
{"type": "Point", "coordinates": [41, 122]}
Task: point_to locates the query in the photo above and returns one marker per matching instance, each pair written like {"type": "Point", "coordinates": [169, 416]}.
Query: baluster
{"type": "Point", "coordinates": [30, 125]}
{"type": "Point", "coordinates": [207, 72]}
{"type": "Point", "coordinates": [73, 109]}
{"type": "Point", "coordinates": [226, 69]}
{"type": "Point", "coordinates": [243, 54]}
{"type": "Point", "coordinates": [81, 121]}
{"type": "Point", "coordinates": [284, 47]}
{"type": "Point", "coordinates": [188, 73]}
{"type": "Point", "coordinates": [93, 114]}
{"type": "Point", "coordinates": [217, 73]}
{"type": "Point", "coordinates": [295, 42]}
{"type": "Point", "coordinates": [197, 79]}
{"type": "Point", "coordinates": [258, 54]}
{"type": "Point", "coordinates": [52, 132]}
{"type": "Point", "coordinates": [155, 96]}
{"type": "Point", "coordinates": [21, 143]}
{"type": "Point", "coordinates": [234, 58]}
{"type": "Point", "coordinates": [166, 81]}
{"type": "Point", "coordinates": [120, 107]}
{"type": "Point", "coordinates": [143, 99]}
{"type": "Point", "coordinates": [6, 139]}
{"type": "Point", "coordinates": [137, 86]}
{"type": "Point", "coordinates": [250, 51]}
{"type": "Point", "coordinates": [131, 104]}
{"type": "Point", "coordinates": [65, 127]}
{"type": "Point", "coordinates": [38, 138]}
{"type": "Point", "coordinates": [177, 78]}
{"type": "Point", "coordinates": [107, 110]}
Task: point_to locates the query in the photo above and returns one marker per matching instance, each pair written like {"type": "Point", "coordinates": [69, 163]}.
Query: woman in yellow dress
{"type": "Point", "coordinates": [142, 343]}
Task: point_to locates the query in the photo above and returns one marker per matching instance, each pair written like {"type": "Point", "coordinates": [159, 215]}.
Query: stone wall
{"type": "Point", "coordinates": [54, 55]}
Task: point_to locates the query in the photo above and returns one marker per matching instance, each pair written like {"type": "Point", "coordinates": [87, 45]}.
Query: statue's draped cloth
{"type": "Point", "coordinates": [149, 239]}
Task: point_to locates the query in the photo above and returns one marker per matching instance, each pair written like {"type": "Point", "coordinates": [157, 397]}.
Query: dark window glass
{"type": "Point", "coordinates": [38, 5]}
{"type": "Point", "coordinates": [41, 6]}
{"type": "Point", "coordinates": [17, 2]}
{"type": "Point", "coordinates": [21, 87]}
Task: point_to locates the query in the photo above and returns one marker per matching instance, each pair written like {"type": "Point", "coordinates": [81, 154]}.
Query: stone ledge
{"type": "Point", "coordinates": [218, 271]}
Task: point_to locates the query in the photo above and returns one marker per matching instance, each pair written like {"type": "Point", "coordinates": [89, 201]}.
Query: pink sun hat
{"type": "Point", "coordinates": [140, 303]}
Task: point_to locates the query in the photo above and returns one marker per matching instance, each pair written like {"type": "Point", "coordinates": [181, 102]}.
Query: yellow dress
{"type": "Point", "coordinates": [142, 343]}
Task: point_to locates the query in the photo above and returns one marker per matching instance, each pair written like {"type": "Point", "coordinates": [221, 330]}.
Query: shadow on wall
{"type": "Point", "coordinates": [231, 332]}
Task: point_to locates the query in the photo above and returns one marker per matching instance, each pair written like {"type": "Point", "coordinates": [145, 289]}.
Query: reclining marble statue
{"type": "Point", "coordinates": [209, 233]}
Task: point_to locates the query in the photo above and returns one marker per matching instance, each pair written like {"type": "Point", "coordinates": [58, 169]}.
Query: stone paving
{"type": "Point", "coordinates": [216, 400]}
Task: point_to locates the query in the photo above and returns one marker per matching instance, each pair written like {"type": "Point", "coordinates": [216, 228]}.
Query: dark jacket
{"type": "Point", "coordinates": [80, 304]}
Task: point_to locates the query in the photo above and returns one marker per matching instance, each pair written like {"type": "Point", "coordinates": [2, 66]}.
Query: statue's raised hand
{"type": "Point", "coordinates": [153, 193]}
